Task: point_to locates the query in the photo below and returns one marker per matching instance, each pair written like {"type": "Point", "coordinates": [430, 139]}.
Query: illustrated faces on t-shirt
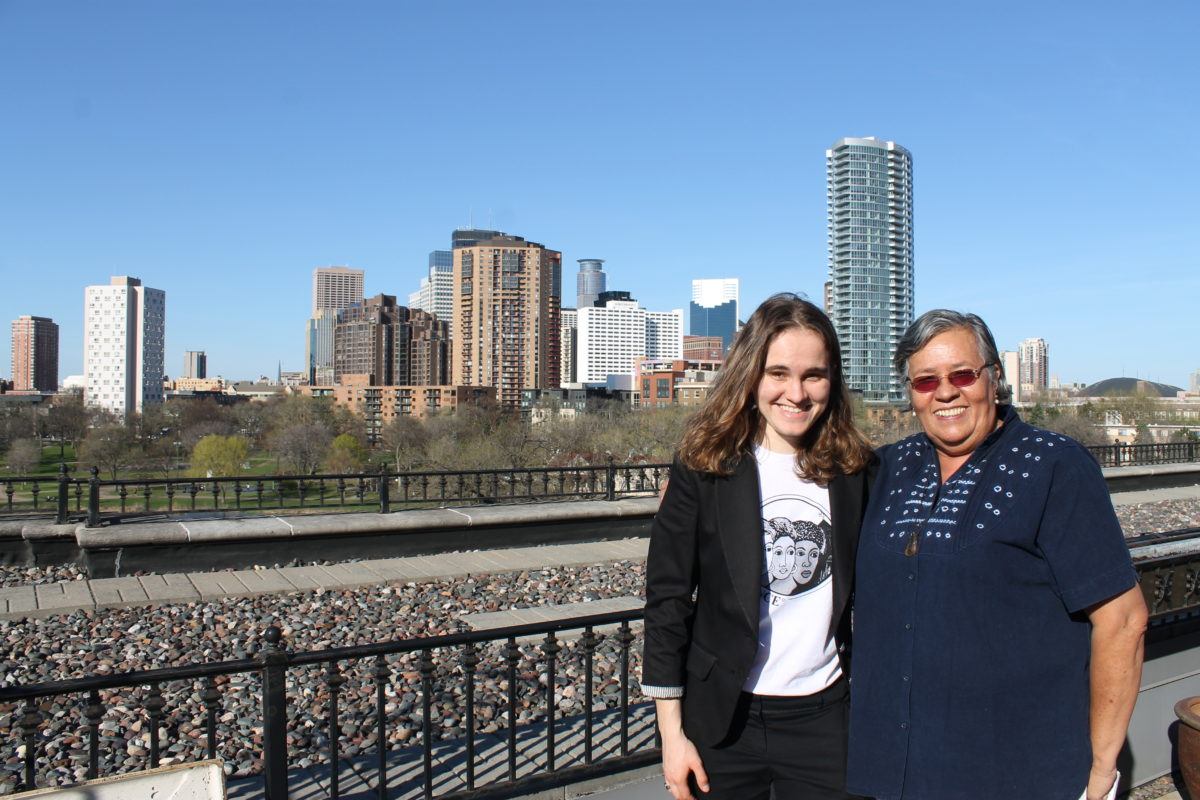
{"type": "Point", "coordinates": [797, 556]}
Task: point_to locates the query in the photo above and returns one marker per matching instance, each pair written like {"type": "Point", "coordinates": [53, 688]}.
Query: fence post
{"type": "Point", "coordinates": [63, 482]}
{"type": "Point", "coordinates": [274, 659]}
{"type": "Point", "coordinates": [93, 515]}
{"type": "Point", "coordinates": [611, 493]}
{"type": "Point", "coordinates": [385, 501]}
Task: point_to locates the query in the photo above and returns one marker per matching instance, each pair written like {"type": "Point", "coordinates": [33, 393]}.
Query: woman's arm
{"type": "Point", "coordinates": [1118, 626]}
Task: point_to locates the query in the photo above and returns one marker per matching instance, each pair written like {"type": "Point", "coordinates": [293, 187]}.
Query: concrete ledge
{"type": "Point", "coordinates": [1159, 476]}
{"type": "Point", "coordinates": [142, 533]}
{"type": "Point", "coordinates": [34, 531]}
{"type": "Point", "coordinates": [222, 530]}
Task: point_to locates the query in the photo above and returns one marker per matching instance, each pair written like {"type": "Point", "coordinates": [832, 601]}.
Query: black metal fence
{"type": "Point", "coordinates": [1136, 455]}
{"type": "Point", "coordinates": [522, 662]}
{"type": "Point", "coordinates": [97, 500]}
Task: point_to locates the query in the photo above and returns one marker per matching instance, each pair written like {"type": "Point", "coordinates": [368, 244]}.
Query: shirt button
{"type": "Point", "coordinates": [912, 577]}
{"type": "Point", "coordinates": [907, 679]}
{"type": "Point", "coordinates": [908, 626]}
{"type": "Point", "coordinates": [904, 726]}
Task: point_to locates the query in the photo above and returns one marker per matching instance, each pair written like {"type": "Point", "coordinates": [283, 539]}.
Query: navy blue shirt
{"type": "Point", "coordinates": [970, 666]}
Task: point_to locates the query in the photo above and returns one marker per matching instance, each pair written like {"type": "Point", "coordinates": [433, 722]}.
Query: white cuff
{"type": "Point", "coordinates": [662, 692]}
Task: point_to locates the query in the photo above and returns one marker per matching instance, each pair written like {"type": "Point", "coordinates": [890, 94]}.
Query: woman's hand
{"type": "Point", "coordinates": [680, 762]}
{"type": "Point", "coordinates": [680, 758]}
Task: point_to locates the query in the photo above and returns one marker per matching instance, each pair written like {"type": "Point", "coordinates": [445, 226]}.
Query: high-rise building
{"type": "Point", "coordinates": [336, 288]}
{"type": "Point", "coordinates": [568, 338]}
{"type": "Point", "coordinates": [392, 344]}
{"type": "Point", "coordinates": [195, 364]}
{"type": "Point", "coordinates": [124, 331]}
{"type": "Point", "coordinates": [614, 335]}
{"type": "Point", "coordinates": [34, 354]}
{"type": "Point", "coordinates": [318, 348]}
{"type": "Point", "coordinates": [1035, 365]}
{"type": "Point", "coordinates": [436, 292]}
{"type": "Point", "coordinates": [590, 281]}
{"type": "Point", "coordinates": [507, 293]}
{"type": "Point", "coordinates": [1010, 360]}
{"type": "Point", "coordinates": [869, 191]}
{"type": "Point", "coordinates": [714, 308]}
{"type": "Point", "coordinates": [1194, 382]}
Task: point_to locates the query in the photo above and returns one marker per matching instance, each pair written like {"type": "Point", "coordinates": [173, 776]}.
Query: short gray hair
{"type": "Point", "coordinates": [940, 320]}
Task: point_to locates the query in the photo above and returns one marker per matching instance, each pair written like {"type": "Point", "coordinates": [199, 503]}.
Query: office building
{"type": "Point", "coordinates": [471, 237]}
{"type": "Point", "coordinates": [195, 364]}
{"type": "Point", "coordinates": [1035, 366]}
{"type": "Point", "coordinates": [436, 292]}
{"type": "Point", "coordinates": [124, 331]}
{"type": "Point", "coordinates": [568, 343]}
{"type": "Point", "coordinates": [703, 348]}
{"type": "Point", "coordinates": [870, 297]}
{"type": "Point", "coordinates": [590, 282]}
{"type": "Point", "coordinates": [1194, 382]}
{"type": "Point", "coordinates": [335, 288]}
{"type": "Point", "coordinates": [615, 334]}
{"type": "Point", "coordinates": [714, 309]}
{"type": "Point", "coordinates": [507, 293]}
{"type": "Point", "coordinates": [318, 347]}
{"type": "Point", "coordinates": [34, 354]}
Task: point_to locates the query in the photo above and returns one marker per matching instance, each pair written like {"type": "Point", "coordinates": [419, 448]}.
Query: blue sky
{"type": "Point", "coordinates": [222, 150]}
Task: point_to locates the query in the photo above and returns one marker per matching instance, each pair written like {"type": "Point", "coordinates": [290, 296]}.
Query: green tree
{"type": "Point", "coordinates": [111, 447]}
{"type": "Point", "coordinates": [23, 456]}
{"type": "Point", "coordinates": [346, 454]}
{"type": "Point", "coordinates": [219, 456]}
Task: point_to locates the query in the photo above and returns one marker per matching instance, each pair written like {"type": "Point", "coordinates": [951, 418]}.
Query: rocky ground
{"type": "Point", "coordinates": [148, 638]}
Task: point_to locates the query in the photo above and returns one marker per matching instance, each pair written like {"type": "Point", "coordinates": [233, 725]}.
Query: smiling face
{"type": "Point", "coordinates": [794, 389]}
{"type": "Point", "coordinates": [956, 419]}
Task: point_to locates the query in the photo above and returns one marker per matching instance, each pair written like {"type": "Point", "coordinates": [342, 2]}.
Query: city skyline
{"type": "Point", "coordinates": [1034, 204]}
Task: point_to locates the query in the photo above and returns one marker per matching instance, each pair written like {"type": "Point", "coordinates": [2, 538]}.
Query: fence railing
{"type": "Point", "coordinates": [1137, 455]}
{"type": "Point", "coordinates": [97, 500]}
{"type": "Point", "coordinates": [532, 745]}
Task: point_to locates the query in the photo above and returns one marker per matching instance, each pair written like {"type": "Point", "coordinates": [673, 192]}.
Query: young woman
{"type": "Point", "coordinates": [750, 570]}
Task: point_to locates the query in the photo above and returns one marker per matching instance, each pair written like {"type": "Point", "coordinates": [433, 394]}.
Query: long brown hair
{"type": "Point", "coordinates": [728, 424]}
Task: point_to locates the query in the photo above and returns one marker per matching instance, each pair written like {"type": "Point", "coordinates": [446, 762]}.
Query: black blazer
{"type": "Point", "coordinates": [707, 540]}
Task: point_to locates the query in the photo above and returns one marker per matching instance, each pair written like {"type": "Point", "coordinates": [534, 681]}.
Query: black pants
{"type": "Point", "coordinates": [786, 748]}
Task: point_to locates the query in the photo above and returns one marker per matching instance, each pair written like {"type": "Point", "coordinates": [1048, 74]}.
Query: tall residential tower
{"type": "Point", "coordinates": [124, 330]}
{"type": "Point", "coordinates": [507, 293]}
{"type": "Point", "coordinates": [34, 354]}
{"type": "Point", "coordinates": [870, 294]}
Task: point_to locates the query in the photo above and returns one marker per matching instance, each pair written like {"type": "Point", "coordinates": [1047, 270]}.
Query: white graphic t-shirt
{"type": "Point", "coordinates": [796, 654]}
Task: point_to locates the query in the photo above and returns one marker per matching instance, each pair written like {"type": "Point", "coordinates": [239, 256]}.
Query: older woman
{"type": "Point", "coordinates": [998, 624]}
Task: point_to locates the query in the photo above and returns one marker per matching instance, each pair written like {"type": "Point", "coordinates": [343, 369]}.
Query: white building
{"type": "Point", "coordinates": [336, 288]}
{"type": "Point", "coordinates": [436, 293]}
{"type": "Point", "coordinates": [195, 364]}
{"type": "Point", "coordinates": [612, 338]}
{"type": "Point", "coordinates": [1035, 366]}
{"type": "Point", "coordinates": [124, 332]}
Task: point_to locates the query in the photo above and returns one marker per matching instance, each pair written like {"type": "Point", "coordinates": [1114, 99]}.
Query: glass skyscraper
{"type": "Point", "coordinates": [590, 281]}
{"type": "Point", "coordinates": [714, 309]}
{"type": "Point", "coordinates": [870, 291]}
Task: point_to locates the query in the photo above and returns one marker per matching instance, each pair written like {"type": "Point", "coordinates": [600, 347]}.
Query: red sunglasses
{"type": "Point", "coordinates": [961, 378]}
